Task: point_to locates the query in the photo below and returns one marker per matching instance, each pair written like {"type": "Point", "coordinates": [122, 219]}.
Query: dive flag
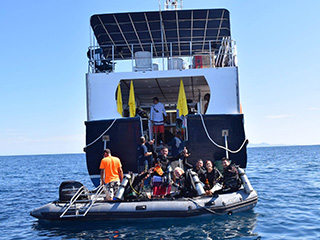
{"type": "Point", "coordinates": [132, 102]}
{"type": "Point", "coordinates": [182, 101]}
{"type": "Point", "coordinates": [119, 101]}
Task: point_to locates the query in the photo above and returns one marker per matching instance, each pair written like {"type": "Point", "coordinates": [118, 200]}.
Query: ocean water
{"type": "Point", "coordinates": [287, 180]}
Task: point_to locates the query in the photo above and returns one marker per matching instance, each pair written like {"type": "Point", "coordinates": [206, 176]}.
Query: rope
{"type": "Point", "coordinates": [217, 145]}
{"type": "Point", "coordinates": [101, 134]}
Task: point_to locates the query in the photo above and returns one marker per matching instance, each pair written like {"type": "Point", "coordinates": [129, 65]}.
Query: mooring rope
{"type": "Point", "coordinates": [217, 145]}
{"type": "Point", "coordinates": [101, 134]}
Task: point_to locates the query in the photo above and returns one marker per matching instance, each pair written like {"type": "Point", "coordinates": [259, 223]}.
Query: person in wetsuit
{"type": "Point", "coordinates": [200, 170]}
{"type": "Point", "coordinates": [134, 190]}
{"type": "Point", "coordinates": [161, 182]}
{"type": "Point", "coordinates": [184, 182]}
{"type": "Point", "coordinates": [231, 180]}
{"type": "Point", "coordinates": [211, 176]}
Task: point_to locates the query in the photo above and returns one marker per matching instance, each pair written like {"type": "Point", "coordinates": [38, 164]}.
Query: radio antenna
{"type": "Point", "coordinates": [172, 4]}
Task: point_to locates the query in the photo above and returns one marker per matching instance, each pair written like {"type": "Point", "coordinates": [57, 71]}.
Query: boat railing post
{"type": "Point", "coordinates": [94, 48]}
{"type": "Point", "coordinates": [191, 60]}
{"type": "Point", "coordinates": [186, 125]}
{"type": "Point", "coordinates": [150, 129]}
{"type": "Point", "coordinates": [113, 58]}
{"type": "Point", "coordinates": [229, 51]}
{"type": "Point", "coordinates": [151, 56]}
{"type": "Point", "coordinates": [171, 60]}
{"type": "Point", "coordinates": [132, 58]}
{"type": "Point", "coordinates": [225, 134]}
{"type": "Point", "coordinates": [199, 102]}
{"type": "Point", "coordinates": [210, 60]}
{"type": "Point", "coordinates": [90, 55]}
{"type": "Point", "coordinates": [235, 57]}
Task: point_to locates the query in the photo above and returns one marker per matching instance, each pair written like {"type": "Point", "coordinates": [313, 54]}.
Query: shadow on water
{"type": "Point", "coordinates": [239, 225]}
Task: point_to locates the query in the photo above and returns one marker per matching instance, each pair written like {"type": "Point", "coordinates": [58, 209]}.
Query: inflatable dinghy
{"type": "Point", "coordinates": [77, 203]}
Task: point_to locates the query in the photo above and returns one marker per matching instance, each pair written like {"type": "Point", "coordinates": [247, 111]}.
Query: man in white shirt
{"type": "Point", "coordinates": [156, 117]}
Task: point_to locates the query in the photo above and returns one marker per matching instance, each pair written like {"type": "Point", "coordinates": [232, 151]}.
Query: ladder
{"type": "Point", "coordinates": [81, 207]}
{"type": "Point", "coordinates": [224, 56]}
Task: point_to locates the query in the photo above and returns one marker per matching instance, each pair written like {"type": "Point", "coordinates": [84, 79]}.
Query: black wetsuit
{"type": "Point", "coordinates": [212, 178]}
{"type": "Point", "coordinates": [231, 180]}
{"type": "Point", "coordinates": [164, 161]}
{"type": "Point", "coordinates": [186, 186]}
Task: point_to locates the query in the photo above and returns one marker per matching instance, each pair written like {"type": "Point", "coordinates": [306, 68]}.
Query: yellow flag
{"type": "Point", "coordinates": [119, 101]}
{"type": "Point", "coordinates": [132, 102]}
{"type": "Point", "coordinates": [182, 101]}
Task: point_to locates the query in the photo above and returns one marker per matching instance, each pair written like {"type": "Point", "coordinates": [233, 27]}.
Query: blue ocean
{"type": "Point", "coordinates": [287, 180]}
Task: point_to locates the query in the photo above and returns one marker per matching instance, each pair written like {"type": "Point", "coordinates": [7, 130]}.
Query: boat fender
{"type": "Point", "coordinates": [198, 184]}
{"type": "Point", "coordinates": [123, 185]}
{"type": "Point", "coordinates": [245, 181]}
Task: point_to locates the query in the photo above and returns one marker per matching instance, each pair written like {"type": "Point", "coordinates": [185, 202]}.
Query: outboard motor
{"type": "Point", "coordinates": [67, 189]}
{"type": "Point", "coordinates": [123, 185]}
{"type": "Point", "coordinates": [246, 183]}
{"type": "Point", "coordinates": [197, 183]}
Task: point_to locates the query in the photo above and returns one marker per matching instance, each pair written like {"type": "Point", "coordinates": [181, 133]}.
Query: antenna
{"type": "Point", "coordinates": [172, 4]}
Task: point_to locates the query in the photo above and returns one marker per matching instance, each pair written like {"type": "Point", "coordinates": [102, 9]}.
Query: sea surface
{"type": "Point", "coordinates": [287, 180]}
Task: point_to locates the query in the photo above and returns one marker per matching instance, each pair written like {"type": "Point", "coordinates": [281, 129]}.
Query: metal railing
{"type": "Point", "coordinates": [174, 56]}
{"type": "Point", "coordinates": [83, 191]}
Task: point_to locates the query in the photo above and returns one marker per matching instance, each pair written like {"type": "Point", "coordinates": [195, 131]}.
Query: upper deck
{"type": "Point", "coordinates": [162, 40]}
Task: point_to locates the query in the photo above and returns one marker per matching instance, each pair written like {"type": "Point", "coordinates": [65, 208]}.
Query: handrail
{"type": "Point", "coordinates": [78, 194]}
{"type": "Point", "coordinates": [74, 198]}
{"type": "Point", "coordinates": [83, 188]}
{"type": "Point", "coordinates": [94, 198]}
{"type": "Point", "coordinates": [226, 52]}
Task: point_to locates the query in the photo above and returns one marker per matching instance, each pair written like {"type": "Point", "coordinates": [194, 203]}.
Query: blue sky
{"type": "Point", "coordinates": [43, 66]}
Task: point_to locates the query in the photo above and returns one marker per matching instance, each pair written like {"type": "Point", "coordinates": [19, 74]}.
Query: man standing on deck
{"type": "Point", "coordinates": [144, 157]}
{"type": "Point", "coordinates": [156, 117]}
{"type": "Point", "coordinates": [111, 173]}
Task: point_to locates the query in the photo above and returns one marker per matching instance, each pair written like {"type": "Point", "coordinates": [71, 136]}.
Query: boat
{"type": "Point", "coordinates": [86, 205]}
{"type": "Point", "coordinates": [159, 53]}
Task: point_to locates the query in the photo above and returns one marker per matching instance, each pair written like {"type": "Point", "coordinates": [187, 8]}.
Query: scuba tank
{"type": "Point", "coordinates": [166, 178]}
{"type": "Point", "coordinates": [122, 187]}
{"type": "Point", "coordinates": [246, 183]}
{"type": "Point", "coordinates": [197, 183]}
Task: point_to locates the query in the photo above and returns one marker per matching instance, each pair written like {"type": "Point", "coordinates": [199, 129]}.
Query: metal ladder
{"type": "Point", "coordinates": [225, 53]}
{"type": "Point", "coordinates": [72, 205]}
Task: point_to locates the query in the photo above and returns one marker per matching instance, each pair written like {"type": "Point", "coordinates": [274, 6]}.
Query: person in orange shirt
{"type": "Point", "coordinates": [111, 173]}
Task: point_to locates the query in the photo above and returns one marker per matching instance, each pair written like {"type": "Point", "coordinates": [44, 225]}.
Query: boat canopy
{"type": "Point", "coordinates": [183, 31]}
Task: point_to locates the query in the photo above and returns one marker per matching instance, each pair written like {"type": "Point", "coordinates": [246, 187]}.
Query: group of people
{"type": "Point", "coordinates": [163, 176]}
{"type": "Point", "coordinates": [210, 176]}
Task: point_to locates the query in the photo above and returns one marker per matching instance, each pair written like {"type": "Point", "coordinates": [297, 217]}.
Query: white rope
{"type": "Point", "coordinates": [101, 134]}
{"type": "Point", "coordinates": [217, 145]}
